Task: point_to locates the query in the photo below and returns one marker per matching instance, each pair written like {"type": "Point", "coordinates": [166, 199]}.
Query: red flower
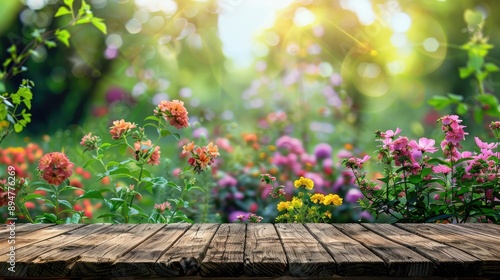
{"type": "Point", "coordinates": [55, 168]}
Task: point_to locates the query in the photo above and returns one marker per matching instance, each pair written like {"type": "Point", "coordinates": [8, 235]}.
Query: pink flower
{"type": "Point", "coordinates": [163, 206]}
{"type": "Point", "coordinates": [90, 142]}
{"type": "Point", "coordinates": [424, 145]}
{"type": "Point", "coordinates": [390, 134]}
{"type": "Point", "coordinates": [441, 169]}
{"type": "Point", "coordinates": [55, 168]}
{"type": "Point", "coordinates": [173, 112]}
{"type": "Point", "coordinates": [485, 146]}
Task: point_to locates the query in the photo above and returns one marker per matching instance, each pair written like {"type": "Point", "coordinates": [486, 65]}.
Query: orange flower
{"type": "Point", "coordinates": [120, 128]}
{"type": "Point", "coordinates": [55, 168]}
{"type": "Point", "coordinates": [173, 112]}
{"type": "Point", "coordinates": [188, 148]}
{"type": "Point", "coordinates": [213, 150]}
{"type": "Point", "coordinates": [143, 150]}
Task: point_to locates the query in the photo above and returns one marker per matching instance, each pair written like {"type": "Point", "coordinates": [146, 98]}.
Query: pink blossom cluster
{"type": "Point", "coordinates": [163, 206]}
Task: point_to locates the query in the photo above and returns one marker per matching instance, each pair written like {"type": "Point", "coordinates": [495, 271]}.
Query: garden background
{"type": "Point", "coordinates": [283, 87]}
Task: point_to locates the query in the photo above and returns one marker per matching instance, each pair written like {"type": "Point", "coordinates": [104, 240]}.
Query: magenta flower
{"type": "Point", "coordinates": [441, 169]}
{"type": "Point", "coordinates": [390, 134]}
{"type": "Point", "coordinates": [424, 145]}
{"type": "Point", "coordinates": [323, 151]}
{"type": "Point", "coordinates": [485, 146]}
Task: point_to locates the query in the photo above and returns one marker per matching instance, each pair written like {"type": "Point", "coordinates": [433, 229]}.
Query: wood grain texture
{"type": "Point", "coordinates": [100, 261]}
{"type": "Point", "coordinates": [489, 229]}
{"type": "Point", "coordinates": [224, 256]}
{"type": "Point", "coordinates": [448, 261]}
{"type": "Point", "coordinates": [305, 255]}
{"type": "Point", "coordinates": [60, 261]}
{"type": "Point", "coordinates": [26, 254]}
{"type": "Point", "coordinates": [22, 228]}
{"type": "Point", "coordinates": [400, 260]}
{"type": "Point", "coordinates": [352, 258]}
{"type": "Point", "coordinates": [264, 255]}
{"type": "Point", "coordinates": [483, 247]}
{"type": "Point", "coordinates": [185, 256]}
{"type": "Point", "coordinates": [141, 260]}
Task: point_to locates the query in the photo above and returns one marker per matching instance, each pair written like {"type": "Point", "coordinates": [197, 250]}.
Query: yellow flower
{"type": "Point", "coordinates": [332, 199]}
{"type": "Point", "coordinates": [306, 182]}
{"type": "Point", "coordinates": [283, 205]}
{"type": "Point", "coordinates": [296, 202]}
{"type": "Point", "coordinates": [317, 198]}
{"type": "Point", "coordinates": [328, 214]}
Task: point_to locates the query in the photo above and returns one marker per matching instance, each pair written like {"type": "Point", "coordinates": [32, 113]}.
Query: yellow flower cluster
{"type": "Point", "coordinates": [328, 199]}
{"type": "Point", "coordinates": [306, 207]}
{"type": "Point", "coordinates": [332, 199]}
{"type": "Point", "coordinates": [306, 182]}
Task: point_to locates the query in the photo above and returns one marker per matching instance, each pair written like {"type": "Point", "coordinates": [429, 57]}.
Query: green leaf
{"type": "Point", "coordinates": [65, 203]}
{"type": "Point", "coordinates": [50, 44]}
{"type": "Point", "coordinates": [478, 116]}
{"type": "Point", "coordinates": [97, 194]}
{"type": "Point", "coordinates": [165, 133]}
{"type": "Point", "coordinates": [83, 20]}
{"type": "Point", "coordinates": [99, 24]}
{"type": "Point", "coordinates": [475, 62]}
{"type": "Point", "coordinates": [462, 109]}
{"type": "Point", "coordinates": [439, 102]}
{"type": "Point", "coordinates": [491, 67]}
{"type": "Point", "coordinates": [69, 188]}
{"type": "Point", "coordinates": [2, 86]}
{"type": "Point", "coordinates": [177, 136]}
{"type": "Point", "coordinates": [3, 111]}
{"type": "Point", "coordinates": [69, 3]}
{"type": "Point", "coordinates": [33, 196]}
{"type": "Point", "coordinates": [174, 186]}
{"type": "Point", "coordinates": [18, 127]}
{"type": "Point", "coordinates": [152, 118]}
{"type": "Point", "coordinates": [63, 35]}
{"type": "Point", "coordinates": [63, 10]}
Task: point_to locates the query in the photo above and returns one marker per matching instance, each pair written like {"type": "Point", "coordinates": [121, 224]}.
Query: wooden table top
{"type": "Point", "coordinates": [252, 250]}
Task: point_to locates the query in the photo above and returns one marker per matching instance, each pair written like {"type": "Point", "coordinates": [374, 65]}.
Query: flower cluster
{"type": "Point", "coordinates": [305, 207]}
{"type": "Point", "coordinates": [144, 151]}
{"type": "Point", "coordinates": [200, 157]}
{"type": "Point", "coordinates": [251, 218]}
{"type": "Point", "coordinates": [120, 128]}
{"type": "Point", "coordinates": [20, 158]}
{"type": "Point", "coordinates": [55, 168]}
{"type": "Point", "coordinates": [163, 206]}
{"type": "Point", "coordinates": [91, 142]}
{"type": "Point", "coordinates": [462, 186]}
{"type": "Point", "coordinates": [174, 112]}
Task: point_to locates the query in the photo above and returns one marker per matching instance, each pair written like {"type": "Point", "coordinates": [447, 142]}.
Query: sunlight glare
{"type": "Point", "coordinates": [362, 8]}
{"type": "Point", "coordinates": [400, 22]}
{"type": "Point", "coordinates": [238, 23]}
{"type": "Point", "coordinates": [303, 17]}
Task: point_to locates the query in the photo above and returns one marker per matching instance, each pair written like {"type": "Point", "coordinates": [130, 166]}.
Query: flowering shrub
{"type": "Point", "coordinates": [460, 187]}
{"type": "Point", "coordinates": [305, 207]}
{"type": "Point", "coordinates": [129, 136]}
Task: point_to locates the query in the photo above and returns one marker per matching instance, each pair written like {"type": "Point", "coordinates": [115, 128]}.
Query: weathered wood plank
{"type": "Point", "coordinates": [400, 260]}
{"type": "Point", "coordinates": [185, 256]}
{"type": "Point", "coordinates": [224, 256]}
{"type": "Point", "coordinates": [264, 255]}
{"type": "Point", "coordinates": [141, 260]}
{"type": "Point", "coordinates": [352, 258]}
{"type": "Point", "coordinates": [448, 261]}
{"type": "Point", "coordinates": [23, 228]}
{"type": "Point", "coordinates": [26, 254]}
{"type": "Point", "coordinates": [60, 261]}
{"type": "Point", "coordinates": [306, 257]}
{"type": "Point", "coordinates": [99, 261]}
{"type": "Point", "coordinates": [490, 229]}
{"type": "Point", "coordinates": [483, 247]}
{"type": "Point", "coordinates": [25, 238]}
